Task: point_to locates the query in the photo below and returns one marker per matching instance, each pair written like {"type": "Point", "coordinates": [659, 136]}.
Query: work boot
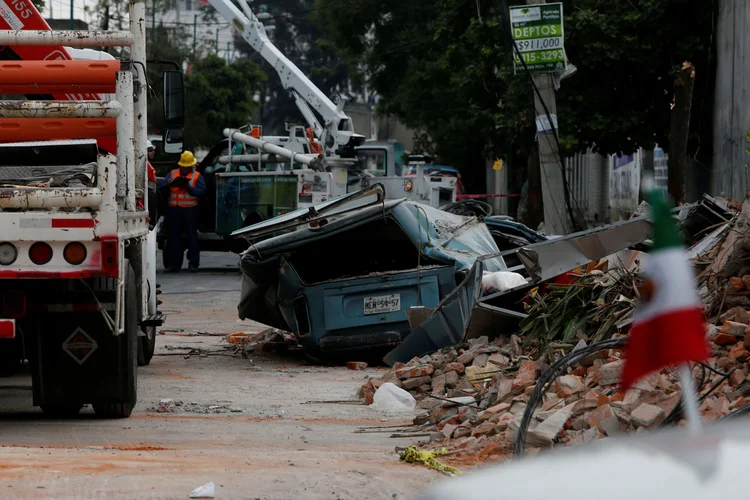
{"type": "Point", "coordinates": [193, 269]}
{"type": "Point", "coordinates": [171, 270]}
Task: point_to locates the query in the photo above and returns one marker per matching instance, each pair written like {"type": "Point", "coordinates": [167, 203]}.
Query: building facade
{"type": "Point", "coordinates": [187, 17]}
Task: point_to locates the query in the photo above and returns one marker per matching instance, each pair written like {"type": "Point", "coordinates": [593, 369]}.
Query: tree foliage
{"type": "Point", "coordinates": [301, 40]}
{"type": "Point", "coordinates": [218, 96]}
{"type": "Point", "coordinates": [441, 69]}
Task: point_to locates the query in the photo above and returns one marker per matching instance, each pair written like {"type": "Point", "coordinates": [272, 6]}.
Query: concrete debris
{"type": "Point", "coordinates": [172, 406]}
{"type": "Point", "coordinates": [269, 340]}
{"type": "Point", "coordinates": [356, 365]}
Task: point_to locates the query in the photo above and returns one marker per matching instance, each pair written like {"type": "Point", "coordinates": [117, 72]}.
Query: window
{"type": "Point", "coordinates": [188, 4]}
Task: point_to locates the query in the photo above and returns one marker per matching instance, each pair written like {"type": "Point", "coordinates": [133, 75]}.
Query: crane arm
{"type": "Point", "coordinates": [337, 132]}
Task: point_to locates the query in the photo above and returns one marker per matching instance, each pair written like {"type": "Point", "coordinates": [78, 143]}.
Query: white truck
{"type": "Point", "coordinates": [344, 152]}
{"type": "Point", "coordinates": [77, 253]}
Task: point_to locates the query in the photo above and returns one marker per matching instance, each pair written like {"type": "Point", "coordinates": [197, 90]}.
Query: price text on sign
{"type": "Point", "coordinates": [539, 36]}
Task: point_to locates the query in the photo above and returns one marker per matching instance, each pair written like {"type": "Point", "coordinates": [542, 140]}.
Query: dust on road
{"type": "Point", "coordinates": [265, 443]}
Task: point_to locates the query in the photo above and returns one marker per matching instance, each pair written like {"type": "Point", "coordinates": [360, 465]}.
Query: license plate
{"type": "Point", "coordinates": [383, 304]}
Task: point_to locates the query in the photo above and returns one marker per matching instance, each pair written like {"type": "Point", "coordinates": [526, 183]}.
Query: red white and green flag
{"type": "Point", "coordinates": [668, 326]}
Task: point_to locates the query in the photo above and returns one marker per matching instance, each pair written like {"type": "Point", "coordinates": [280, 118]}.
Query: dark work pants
{"type": "Point", "coordinates": [183, 220]}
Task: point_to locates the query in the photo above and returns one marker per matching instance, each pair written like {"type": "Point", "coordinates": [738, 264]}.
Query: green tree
{"type": "Point", "coordinates": [219, 96]}
{"type": "Point", "coordinates": [296, 34]}
{"type": "Point", "coordinates": [439, 69]}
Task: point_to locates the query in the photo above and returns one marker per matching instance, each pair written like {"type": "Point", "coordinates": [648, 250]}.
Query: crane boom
{"type": "Point", "coordinates": [337, 132]}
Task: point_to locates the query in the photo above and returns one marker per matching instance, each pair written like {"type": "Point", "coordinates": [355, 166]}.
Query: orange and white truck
{"type": "Point", "coordinates": [77, 246]}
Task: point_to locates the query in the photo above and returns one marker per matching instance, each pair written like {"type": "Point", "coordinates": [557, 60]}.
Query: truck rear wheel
{"type": "Point", "coordinates": [146, 345]}
{"type": "Point", "coordinates": [123, 410]}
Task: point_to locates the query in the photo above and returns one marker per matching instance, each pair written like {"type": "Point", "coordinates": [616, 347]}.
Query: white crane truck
{"type": "Point", "coordinates": [77, 253]}
{"type": "Point", "coordinates": [343, 150]}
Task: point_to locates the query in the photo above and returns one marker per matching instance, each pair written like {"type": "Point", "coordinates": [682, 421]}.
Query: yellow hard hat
{"type": "Point", "coordinates": [187, 159]}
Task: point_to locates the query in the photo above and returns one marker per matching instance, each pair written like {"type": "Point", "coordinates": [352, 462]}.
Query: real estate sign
{"type": "Point", "coordinates": [538, 33]}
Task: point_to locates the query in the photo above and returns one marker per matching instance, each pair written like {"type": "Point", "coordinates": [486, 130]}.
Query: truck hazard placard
{"type": "Point", "coordinates": [80, 346]}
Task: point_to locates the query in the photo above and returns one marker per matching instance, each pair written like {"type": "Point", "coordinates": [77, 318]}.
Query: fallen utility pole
{"type": "Point", "coordinates": [679, 130]}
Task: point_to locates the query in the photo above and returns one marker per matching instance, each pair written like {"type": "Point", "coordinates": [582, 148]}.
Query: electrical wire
{"type": "Point", "coordinates": [676, 412]}
{"type": "Point", "coordinates": [548, 378]}
{"type": "Point", "coordinates": [475, 208]}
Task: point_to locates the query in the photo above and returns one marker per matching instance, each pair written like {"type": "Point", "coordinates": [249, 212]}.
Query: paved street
{"type": "Point", "coordinates": [268, 444]}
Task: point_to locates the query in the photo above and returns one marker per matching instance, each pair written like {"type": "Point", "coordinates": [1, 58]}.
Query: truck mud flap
{"type": "Point", "coordinates": [79, 360]}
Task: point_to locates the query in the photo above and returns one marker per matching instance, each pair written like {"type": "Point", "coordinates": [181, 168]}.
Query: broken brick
{"type": "Point", "coordinates": [448, 430]}
{"type": "Point", "coordinates": [480, 360]}
{"type": "Point", "coordinates": [438, 385]}
{"type": "Point", "coordinates": [413, 383]}
{"type": "Point", "coordinates": [733, 328]}
{"type": "Point", "coordinates": [368, 394]}
{"type": "Point", "coordinates": [551, 403]}
{"type": "Point", "coordinates": [736, 378]}
{"type": "Point", "coordinates": [739, 353]}
{"type": "Point", "coordinates": [465, 358]}
{"type": "Point", "coordinates": [601, 413]}
{"type": "Point", "coordinates": [455, 366]}
{"type": "Point", "coordinates": [737, 314]}
{"type": "Point", "coordinates": [567, 385]}
{"type": "Point", "coordinates": [498, 359]}
{"type": "Point", "coordinates": [414, 371]}
{"type": "Point", "coordinates": [483, 429]}
{"type": "Point", "coordinates": [492, 449]}
{"type": "Point", "coordinates": [647, 415]}
{"type": "Point", "coordinates": [736, 284]}
{"type": "Point", "coordinates": [440, 414]}
{"type": "Point", "coordinates": [545, 433]}
{"type": "Point", "coordinates": [356, 365]}
{"type": "Point", "coordinates": [725, 339]}
{"type": "Point", "coordinates": [526, 375]}
{"type": "Point", "coordinates": [451, 379]}
{"type": "Point", "coordinates": [610, 373]}
{"type": "Point", "coordinates": [493, 410]}
{"type": "Point", "coordinates": [461, 431]}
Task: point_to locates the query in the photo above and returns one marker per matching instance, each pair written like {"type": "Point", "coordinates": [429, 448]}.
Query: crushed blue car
{"type": "Point", "coordinates": [342, 275]}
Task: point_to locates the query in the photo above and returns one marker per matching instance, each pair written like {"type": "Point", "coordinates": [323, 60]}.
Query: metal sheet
{"type": "Point", "coordinates": [465, 314]}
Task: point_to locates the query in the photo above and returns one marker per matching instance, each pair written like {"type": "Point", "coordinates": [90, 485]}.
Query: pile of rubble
{"type": "Point", "coordinates": [269, 340]}
{"type": "Point", "coordinates": [528, 392]}
{"type": "Point", "coordinates": [476, 396]}
{"type": "Point", "coordinates": [177, 406]}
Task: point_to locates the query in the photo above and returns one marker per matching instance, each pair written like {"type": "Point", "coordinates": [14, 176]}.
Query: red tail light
{"type": "Point", "coordinates": [110, 248]}
{"type": "Point", "coordinates": [40, 253]}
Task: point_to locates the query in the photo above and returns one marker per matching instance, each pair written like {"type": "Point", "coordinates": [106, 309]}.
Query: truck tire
{"type": "Point", "coordinates": [123, 410]}
{"type": "Point", "coordinates": [61, 411]}
{"type": "Point", "coordinates": [146, 345]}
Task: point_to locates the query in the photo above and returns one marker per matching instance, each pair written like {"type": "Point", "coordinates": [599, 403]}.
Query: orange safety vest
{"type": "Point", "coordinates": [180, 196]}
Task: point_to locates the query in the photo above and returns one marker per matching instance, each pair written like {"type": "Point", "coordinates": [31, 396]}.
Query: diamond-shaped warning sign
{"type": "Point", "coordinates": [80, 346]}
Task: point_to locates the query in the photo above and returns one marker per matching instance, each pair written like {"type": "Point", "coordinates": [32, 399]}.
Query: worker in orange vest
{"type": "Point", "coordinates": [185, 186]}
